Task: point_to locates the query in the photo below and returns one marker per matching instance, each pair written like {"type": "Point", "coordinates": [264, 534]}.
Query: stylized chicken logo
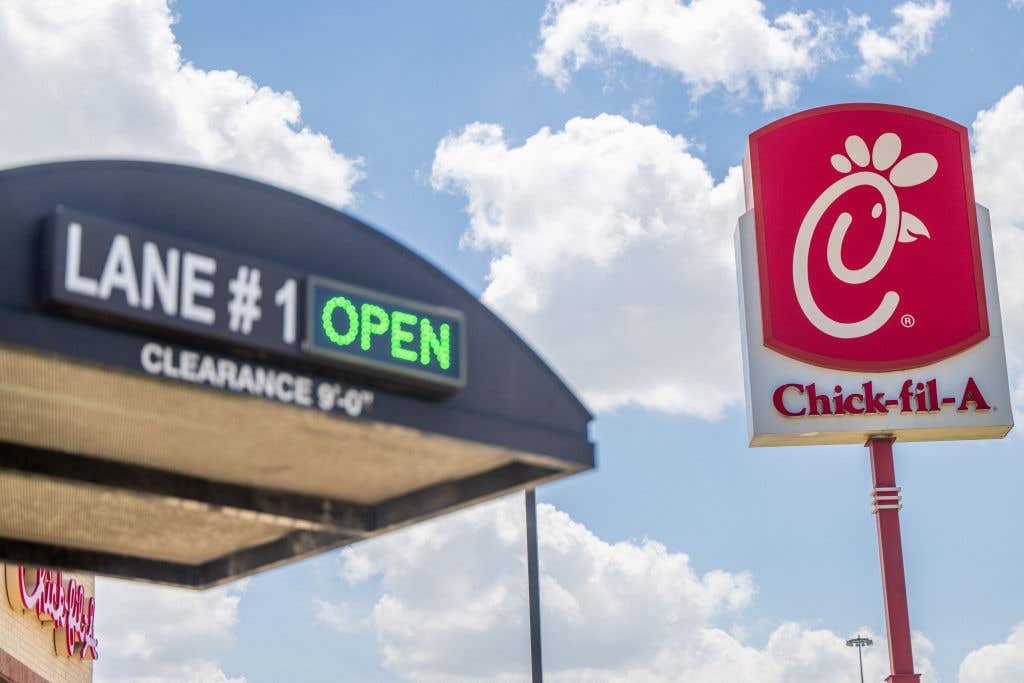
{"type": "Point", "coordinates": [900, 226]}
{"type": "Point", "coordinates": [892, 278]}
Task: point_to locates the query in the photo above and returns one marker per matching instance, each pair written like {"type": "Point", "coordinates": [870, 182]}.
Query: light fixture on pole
{"type": "Point", "coordinates": [860, 642]}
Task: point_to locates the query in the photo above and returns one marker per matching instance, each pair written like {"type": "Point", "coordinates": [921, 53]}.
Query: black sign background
{"type": "Point", "coordinates": [98, 233]}
{"type": "Point", "coordinates": [320, 290]}
{"type": "Point", "coordinates": [511, 398]}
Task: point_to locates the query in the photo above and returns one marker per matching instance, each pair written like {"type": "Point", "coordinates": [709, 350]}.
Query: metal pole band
{"type": "Point", "coordinates": [886, 498]}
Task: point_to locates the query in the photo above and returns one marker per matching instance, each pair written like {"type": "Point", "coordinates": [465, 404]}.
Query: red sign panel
{"type": "Point", "coordinates": [867, 237]}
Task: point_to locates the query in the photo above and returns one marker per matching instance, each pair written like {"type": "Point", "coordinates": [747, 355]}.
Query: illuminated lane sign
{"type": "Point", "coordinates": [379, 332]}
{"type": "Point", "coordinates": [159, 281]}
{"type": "Point", "coordinates": [111, 270]}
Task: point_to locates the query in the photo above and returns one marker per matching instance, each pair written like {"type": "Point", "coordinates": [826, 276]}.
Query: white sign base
{"type": "Point", "coordinates": [792, 403]}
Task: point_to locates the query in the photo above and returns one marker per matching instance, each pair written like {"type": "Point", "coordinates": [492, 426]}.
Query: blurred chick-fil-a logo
{"type": "Point", "coordinates": [868, 249]}
{"type": "Point", "coordinates": [62, 605]}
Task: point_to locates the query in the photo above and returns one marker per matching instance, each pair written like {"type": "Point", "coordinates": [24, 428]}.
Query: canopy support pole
{"type": "Point", "coordinates": [534, 585]}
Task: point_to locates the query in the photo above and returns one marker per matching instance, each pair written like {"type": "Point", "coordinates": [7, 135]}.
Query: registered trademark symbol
{"type": "Point", "coordinates": [907, 320]}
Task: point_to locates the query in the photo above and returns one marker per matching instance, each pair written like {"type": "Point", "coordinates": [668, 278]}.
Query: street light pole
{"type": "Point", "coordinates": [860, 642]}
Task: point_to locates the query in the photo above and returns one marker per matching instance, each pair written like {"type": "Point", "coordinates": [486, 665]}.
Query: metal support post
{"type": "Point", "coordinates": [887, 506]}
{"type": "Point", "coordinates": [533, 573]}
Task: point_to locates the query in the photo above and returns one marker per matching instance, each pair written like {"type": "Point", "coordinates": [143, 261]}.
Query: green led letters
{"type": "Point", "coordinates": [385, 334]}
{"type": "Point", "coordinates": [440, 344]}
{"type": "Point", "coordinates": [400, 336]}
{"type": "Point", "coordinates": [373, 320]}
{"type": "Point", "coordinates": [328, 321]}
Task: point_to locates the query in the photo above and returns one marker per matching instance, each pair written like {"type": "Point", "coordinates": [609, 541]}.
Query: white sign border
{"type": "Point", "coordinates": [765, 370]}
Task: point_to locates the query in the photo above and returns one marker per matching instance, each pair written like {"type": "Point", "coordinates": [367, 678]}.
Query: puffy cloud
{"type": "Point", "coordinates": [729, 44]}
{"type": "Point", "coordinates": [340, 616]}
{"type": "Point", "coordinates": [106, 78]}
{"type": "Point", "coordinates": [996, 663]}
{"type": "Point", "coordinates": [452, 607]}
{"type": "Point", "coordinates": [612, 251]}
{"type": "Point", "coordinates": [615, 233]}
{"type": "Point", "coordinates": [998, 177]}
{"type": "Point", "coordinates": [903, 42]}
{"type": "Point", "coordinates": [153, 634]}
{"type": "Point", "coordinates": [792, 654]}
{"type": "Point", "coordinates": [452, 595]}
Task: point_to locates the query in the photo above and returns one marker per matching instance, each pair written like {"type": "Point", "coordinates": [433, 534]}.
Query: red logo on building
{"type": "Point", "coordinates": [867, 237]}
{"type": "Point", "coordinates": [64, 606]}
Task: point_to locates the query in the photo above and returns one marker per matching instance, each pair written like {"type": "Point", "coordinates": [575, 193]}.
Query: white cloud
{"type": "Point", "coordinates": [154, 634]}
{"type": "Point", "coordinates": [106, 78]}
{"type": "Point", "coordinates": [996, 663]}
{"type": "Point", "coordinates": [903, 42]}
{"type": "Point", "coordinates": [612, 251]}
{"type": "Point", "coordinates": [729, 44]}
{"type": "Point", "coordinates": [340, 616]}
{"type": "Point", "coordinates": [452, 607]}
{"type": "Point", "coordinates": [998, 177]}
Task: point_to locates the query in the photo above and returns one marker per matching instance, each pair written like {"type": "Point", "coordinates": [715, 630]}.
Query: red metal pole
{"type": "Point", "coordinates": [887, 507]}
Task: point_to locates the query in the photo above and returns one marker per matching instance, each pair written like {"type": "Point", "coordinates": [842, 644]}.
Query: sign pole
{"type": "Point", "coordinates": [887, 498]}
{"type": "Point", "coordinates": [891, 373]}
{"type": "Point", "coordinates": [533, 575]}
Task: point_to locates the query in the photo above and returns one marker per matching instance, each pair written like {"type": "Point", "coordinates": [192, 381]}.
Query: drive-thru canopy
{"type": "Point", "coordinates": [202, 376]}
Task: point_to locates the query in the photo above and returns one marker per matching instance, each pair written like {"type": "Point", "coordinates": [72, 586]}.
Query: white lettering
{"type": "Point", "coordinates": [286, 298]}
{"type": "Point", "coordinates": [193, 286]}
{"type": "Point", "coordinates": [169, 369]}
{"type": "Point", "coordinates": [226, 371]}
{"type": "Point", "coordinates": [304, 391]}
{"type": "Point", "coordinates": [280, 385]}
{"type": "Point", "coordinates": [246, 382]}
{"type": "Point", "coordinates": [151, 358]}
{"type": "Point", "coordinates": [188, 362]}
{"type": "Point", "coordinates": [73, 280]}
{"type": "Point", "coordinates": [283, 387]}
{"type": "Point", "coordinates": [156, 278]}
{"type": "Point", "coordinates": [119, 272]}
{"type": "Point", "coordinates": [208, 372]}
{"type": "Point", "coordinates": [264, 382]}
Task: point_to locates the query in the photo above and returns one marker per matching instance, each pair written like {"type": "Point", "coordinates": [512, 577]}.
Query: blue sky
{"type": "Point", "coordinates": [386, 82]}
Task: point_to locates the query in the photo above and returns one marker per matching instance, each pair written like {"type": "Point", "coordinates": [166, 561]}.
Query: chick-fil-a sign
{"type": "Point", "coordinates": [864, 257]}
{"type": "Point", "coordinates": [63, 605]}
{"type": "Point", "coordinates": [867, 238]}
